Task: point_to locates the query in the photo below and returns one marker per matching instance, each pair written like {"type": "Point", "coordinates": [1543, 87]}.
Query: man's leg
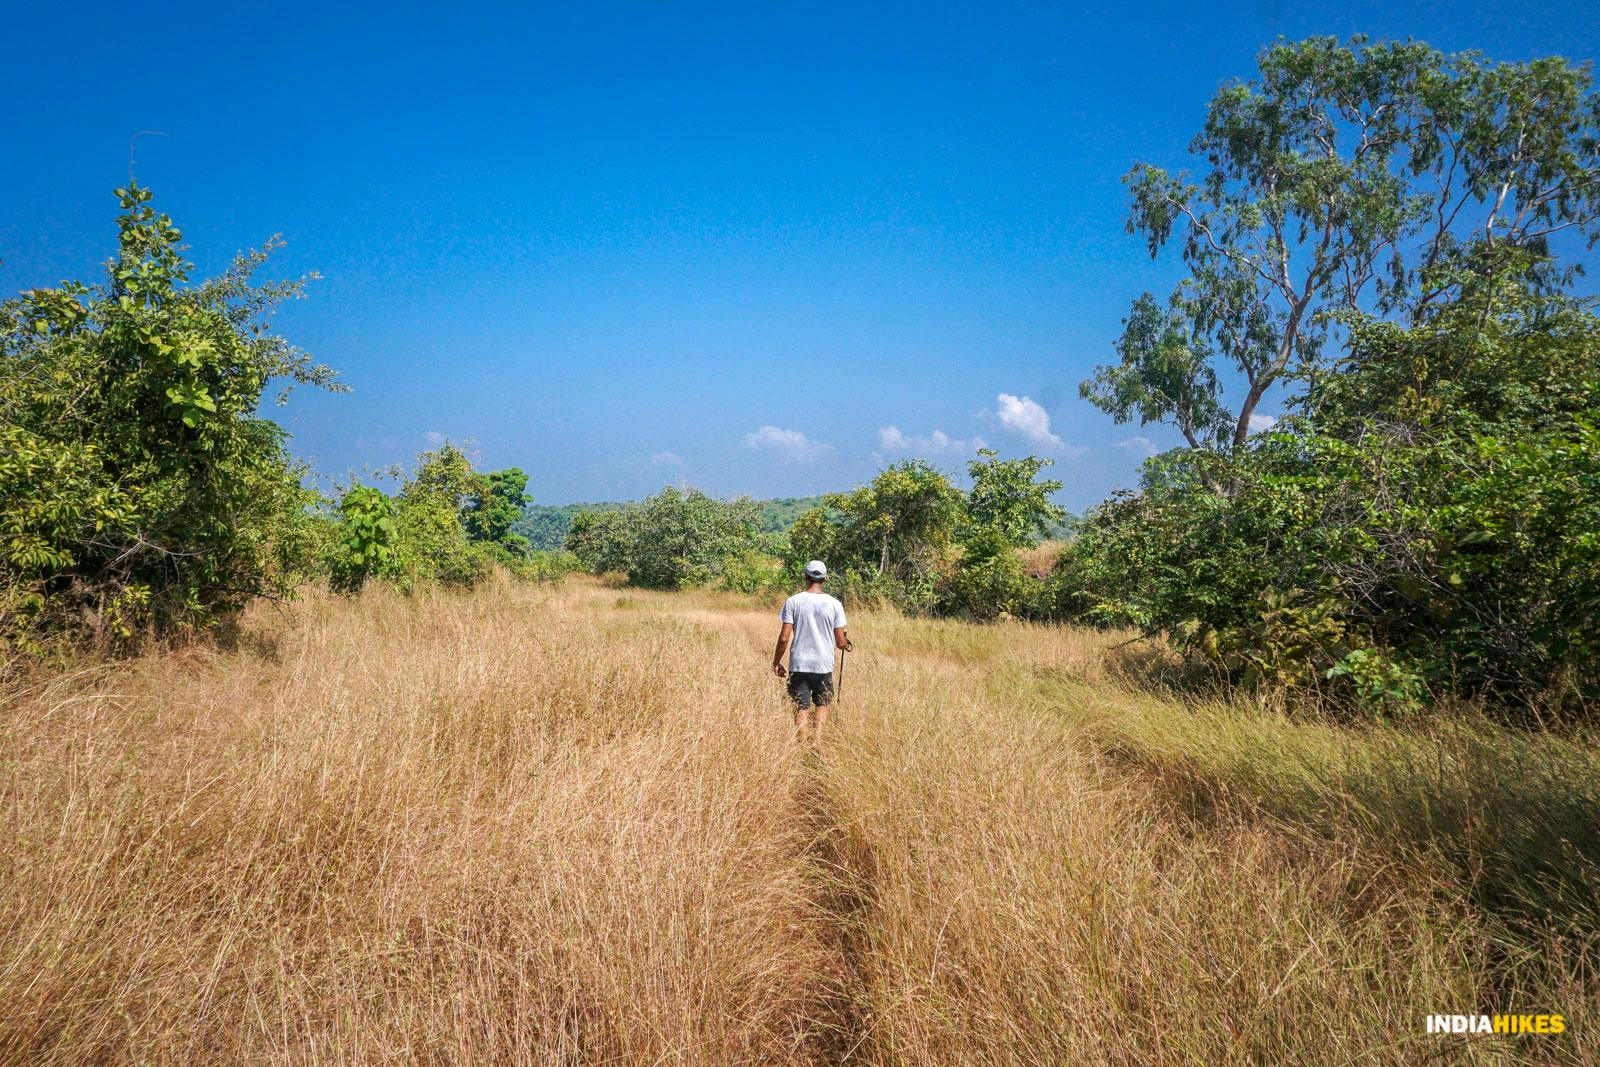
{"type": "Point", "coordinates": [822, 698]}
{"type": "Point", "coordinates": [810, 695]}
{"type": "Point", "coordinates": [819, 719]}
{"type": "Point", "coordinates": [800, 698]}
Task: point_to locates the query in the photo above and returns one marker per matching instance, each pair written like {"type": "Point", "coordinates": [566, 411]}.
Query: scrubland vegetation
{"type": "Point", "coordinates": [1264, 761]}
{"type": "Point", "coordinates": [567, 823]}
{"type": "Point", "coordinates": [1375, 238]}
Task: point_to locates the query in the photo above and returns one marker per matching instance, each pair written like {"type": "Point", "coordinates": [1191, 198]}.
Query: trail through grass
{"type": "Point", "coordinates": [568, 825]}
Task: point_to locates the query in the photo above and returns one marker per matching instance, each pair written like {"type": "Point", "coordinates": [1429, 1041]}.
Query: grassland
{"type": "Point", "coordinates": [568, 825]}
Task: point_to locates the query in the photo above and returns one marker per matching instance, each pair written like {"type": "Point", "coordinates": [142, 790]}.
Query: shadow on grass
{"type": "Point", "coordinates": [1516, 812]}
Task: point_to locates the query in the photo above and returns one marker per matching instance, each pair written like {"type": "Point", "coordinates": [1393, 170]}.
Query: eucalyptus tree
{"type": "Point", "coordinates": [1368, 177]}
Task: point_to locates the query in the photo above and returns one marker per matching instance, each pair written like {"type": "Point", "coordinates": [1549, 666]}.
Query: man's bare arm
{"type": "Point", "coordinates": [841, 638]}
{"type": "Point", "coordinates": [785, 635]}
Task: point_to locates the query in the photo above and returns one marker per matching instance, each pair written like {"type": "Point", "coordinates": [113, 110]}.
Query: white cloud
{"type": "Point", "coordinates": [790, 443]}
{"type": "Point", "coordinates": [1139, 444]}
{"type": "Point", "coordinates": [1023, 415]}
{"type": "Point", "coordinates": [434, 437]}
{"type": "Point", "coordinates": [890, 439]}
{"type": "Point", "coordinates": [667, 459]}
{"type": "Point", "coordinates": [1262, 422]}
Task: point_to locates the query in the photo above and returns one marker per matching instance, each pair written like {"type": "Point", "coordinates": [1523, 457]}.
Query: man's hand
{"type": "Point", "coordinates": [785, 635]}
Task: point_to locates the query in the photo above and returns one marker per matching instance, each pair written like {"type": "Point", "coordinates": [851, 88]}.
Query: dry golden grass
{"type": "Point", "coordinates": [520, 826]}
{"type": "Point", "coordinates": [1039, 560]}
{"type": "Point", "coordinates": [568, 825]}
{"type": "Point", "coordinates": [1026, 901]}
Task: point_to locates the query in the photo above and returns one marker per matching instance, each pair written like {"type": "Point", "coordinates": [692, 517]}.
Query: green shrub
{"type": "Point", "coordinates": [672, 540]}
{"type": "Point", "coordinates": [988, 582]}
{"type": "Point", "coordinates": [753, 571]}
{"type": "Point", "coordinates": [1428, 522]}
{"type": "Point", "coordinates": [366, 543]}
{"type": "Point", "coordinates": [142, 491]}
{"type": "Point", "coordinates": [550, 565]}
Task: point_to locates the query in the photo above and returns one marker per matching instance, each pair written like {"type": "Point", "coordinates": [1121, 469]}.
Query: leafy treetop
{"type": "Point", "coordinates": [1386, 177]}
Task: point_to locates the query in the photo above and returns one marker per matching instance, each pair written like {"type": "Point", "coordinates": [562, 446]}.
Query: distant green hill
{"type": "Point", "coordinates": [546, 525]}
{"type": "Point", "coordinates": [780, 513]}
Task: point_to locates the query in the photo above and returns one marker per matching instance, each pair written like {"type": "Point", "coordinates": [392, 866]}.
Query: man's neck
{"type": "Point", "coordinates": [813, 587]}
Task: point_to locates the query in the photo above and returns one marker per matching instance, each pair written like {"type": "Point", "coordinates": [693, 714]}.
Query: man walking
{"type": "Point", "coordinates": [814, 623]}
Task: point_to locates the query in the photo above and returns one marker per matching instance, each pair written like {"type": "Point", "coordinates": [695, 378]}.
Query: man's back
{"type": "Point", "coordinates": [814, 616]}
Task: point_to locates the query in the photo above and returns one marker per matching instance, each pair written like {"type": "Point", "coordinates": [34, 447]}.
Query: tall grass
{"type": "Point", "coordinates": [508, 828]}
{"type": "Point", "coordinates": [1516, 812]}
{"type": "Point", "coordinates": [1031, 903]}
{"type": "Point", "coordinates": [568, 825]}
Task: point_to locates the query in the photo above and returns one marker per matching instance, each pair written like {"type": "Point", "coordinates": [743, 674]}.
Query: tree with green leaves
{"type": "Point", "coordinates": [492, 514]}
{"type": "Point", "coordinates": [894, 536]}
{"type": "Point", "coordinates": [902, 521]}
{"type": "Point", "coordinates": [142, 491]}
{"type": "Point", "coordinates": [365, 545]}
{"type": "Point", "coordinates": [1380, 177]}
{"type": "Point", "coordinates": [675, 539]}
{"type": "Point", "coordinates": [1427, 521]}
{"type": "Point", "coordinates": [602, 539]}
{"type": "Point", "coordinates": [1007, 497]}
{"type": "Point", "coordinates": [1008, 508]}
{"type": "Point", "coordinates": [449, 524]}
{"type": "Point", "coordinates": [813, 536]}
{"type": "Point", "coordinates": [431, 512]}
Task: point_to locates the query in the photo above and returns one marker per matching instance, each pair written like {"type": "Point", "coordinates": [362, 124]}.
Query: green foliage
{"type": "Point", "coordinates": [754, 571]}
{"type": "Point", "coordinates": [814, 536]}
{"type": "Point", "coordinates": [546, 526]}
{"type": "Point", "coordinates": [1379, 682]}
{"type": "Point", "coordinates": [989, 582]}
{"type": "Point", "coordinates": [141, 491]}
{"type": "Point", "coordinates": [550, 566]}
{"type": "Point", "coordinates": [431, 513]}
{"type": "Point", "coordinates": [491, 515]}
{"type": "Point", "coordinates": [1008, 498]}
{"type": "Point", "coordinates": [1380, 176]}
{"type": "Point", "coordinates": [448, 525]}
{"type": "Point", "coordinates": [602, 540]}
{"type": "Point", "coordinates": [893, 537]}
{"type": "Point", "coordinates": [366, 543]}
{"type": "Point", "coordinates": [1007, 509]}
{"type": "Point", "coordinates": [914, 539]}
{"type": "Point", "coordinates": [781, 513]}
{"type": "Point", "coordinates": [1163, 375]}
{"type": "Point", "coordinates": [671, 540]}
{"type": "Point", "coordinates": [1423, 523]}
{"type": "Point", "coordinates": [1426, 523]}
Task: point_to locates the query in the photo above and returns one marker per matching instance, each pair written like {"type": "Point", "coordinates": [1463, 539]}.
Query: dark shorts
{"type": "Point", "coordinates": [810, 687]}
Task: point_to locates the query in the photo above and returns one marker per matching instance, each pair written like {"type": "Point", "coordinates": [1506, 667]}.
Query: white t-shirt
{"type": "Point", "coordinates": [815, 616]}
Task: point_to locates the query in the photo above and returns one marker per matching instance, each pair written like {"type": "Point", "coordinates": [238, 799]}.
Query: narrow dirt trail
{"type": "Point", "coordinates": [568, 825]}
{"type": "Point", "coordinates": [1002, 893]}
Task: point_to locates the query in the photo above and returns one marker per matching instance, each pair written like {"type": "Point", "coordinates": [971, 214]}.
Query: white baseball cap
{"type": "Point", "coordinates": [816, 569]}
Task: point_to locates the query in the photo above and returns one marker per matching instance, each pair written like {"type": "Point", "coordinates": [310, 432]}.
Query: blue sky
{"type": "Point", "coordinates": [626, 246]}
